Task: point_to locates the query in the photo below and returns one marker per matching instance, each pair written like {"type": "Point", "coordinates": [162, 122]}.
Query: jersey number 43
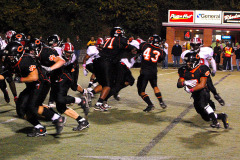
{"type": "Point", "coordinates": [147, 55]}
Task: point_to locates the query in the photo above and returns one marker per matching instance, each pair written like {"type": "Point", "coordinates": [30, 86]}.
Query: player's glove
{"type": "Point", "coordinates": [191, 83]}
{"type": "Point", "coordinates": [85, 72]}
{"type": "Point", "coordinates": [187, 89]}
{"type": "Point", "coordinates": [48, 69]}
{"type": "Point", "coordinates": [17, 80]}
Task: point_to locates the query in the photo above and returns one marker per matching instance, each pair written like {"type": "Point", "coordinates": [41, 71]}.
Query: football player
{"type": "Point", "coordinates": [61, 81]}
{"type": "Point", "coordinates": [193, 77]}
{"type": "Point", "coordinates": [3, 65]}
{"type": "Point", "coordinates": [151, 53]}
{"type": "Point", "coordinates": [105, 66]}
{"type": "Point", "coordinates": [206, 55]}
{"type": "Point", "coordinates": [29, 104]}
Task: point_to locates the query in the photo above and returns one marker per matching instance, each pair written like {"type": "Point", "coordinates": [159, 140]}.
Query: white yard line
{"type": "Point", "coordinates": [10, 120]}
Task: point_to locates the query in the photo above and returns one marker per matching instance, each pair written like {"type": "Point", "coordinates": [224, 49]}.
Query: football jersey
{"type": "Point", "coordinates": [151, 55]}
{"type": "Point", "coordinates": [46, 58]}
{"type": "Point", "coordinates": [194, 74]}
{"type": "Point", "coordinates": [113, 47]}
{"type": "Point", "coordinates": [93, 52]}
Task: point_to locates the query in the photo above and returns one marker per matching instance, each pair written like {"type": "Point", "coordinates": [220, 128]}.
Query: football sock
{"type": "Point", "coordinates": [48, 114]}
{"type": "Point", "coordinates": [147, 99]}
{"type": "Point", "coordinates": [159, 96]}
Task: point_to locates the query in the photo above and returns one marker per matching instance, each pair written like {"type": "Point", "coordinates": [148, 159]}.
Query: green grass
{"type": "Point", "coordinates": [126, 132]}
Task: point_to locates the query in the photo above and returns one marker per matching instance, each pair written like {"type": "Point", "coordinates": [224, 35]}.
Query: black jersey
{"type": "Point", "coordinates": [113, 47]}
{"type": "Point", "coordinates": [150, 57]}
{"type": "Point", "coordinates": [25, 66]}
{"type": "Point", "coordinates": [46, 58]}
{"type": "Point", "coordinates": [195, 74]}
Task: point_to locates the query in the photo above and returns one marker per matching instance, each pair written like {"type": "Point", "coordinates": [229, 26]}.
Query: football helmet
{"type": "Point", "coordinates": [155, 40]}
{"type": "Point", "coordinates": [191, 60]}
{"type": "Point", "coordinates": [195, 43]}
{"type": "Point", "coordinates": [9, 34]}
{"type": "Point", "coordinates": [117, 31]}
{"type": "Point", "coordinates": [68, 50]}
{"type": "Point", "coordinates": [53, 39]}
{"type": "Point", "coordinates": [14, 51]}
{"type": "Point", "coordinates": [33, 45]}
{"type": "Point", "coordinates": [19, 37]}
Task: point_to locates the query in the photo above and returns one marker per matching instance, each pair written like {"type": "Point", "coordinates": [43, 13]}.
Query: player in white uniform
{"type": "Point", "coordinates": [206, 56]}
{"type": "Point", "coordinates": [92, 54]}
{"type": "Point", "coordinates": [3, 63]}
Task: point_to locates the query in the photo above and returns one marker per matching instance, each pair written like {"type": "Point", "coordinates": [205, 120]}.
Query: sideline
{"type": "Point", "coordinates": [156, 139]}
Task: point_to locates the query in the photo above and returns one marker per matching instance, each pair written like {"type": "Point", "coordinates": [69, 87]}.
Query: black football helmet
{"type": "Point", "coordinates": [117, 31]}
{"type": "Point", "coordinates": [14, 51]}
{"type": "Point", "coordinates": [53, 39]}
{"type": "Point", "coordinates": [155, 40]}
{"type": "Point", "coordinates": [33, 45]}
{"type": "Point", "coordinates": [19, 37]}
{"type": "Point", "coordinates": [192, 60]}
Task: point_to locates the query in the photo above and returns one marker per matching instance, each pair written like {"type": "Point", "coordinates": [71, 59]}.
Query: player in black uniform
{"type": "Point", "coordinates": [105, 66]}
{"type": "Point", "coordinates": [60, 83]}
{"type": "Point", "coordinates": [193, 77]}
{"type": "Point", "coordinates": [29, 104]}
{"type": "Point", "coordinates": [151, 53]}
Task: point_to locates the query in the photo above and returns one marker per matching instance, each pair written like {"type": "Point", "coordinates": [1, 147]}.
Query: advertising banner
{"type": "Point", "coordinates": [210, 17]}
{"type": "Point", "coordinates": [180, 16]}
{"type": "Point", "coordinates": [231, 17]}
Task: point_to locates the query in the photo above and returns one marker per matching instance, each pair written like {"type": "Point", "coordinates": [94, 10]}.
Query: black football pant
{"type": "Point", "coordinates": [31, 98]}
{"type": "Point", "coordinates": [74, 76]}
{"type": "Point", "coordinates": [211, 86]}
{"type": "Point", "coordinates": [123, 75]}
{"type": "Point", "coordinates": [201, 100]}
{"type": "Point", "coordinates": [143, 80]}
{"type": "Point", "coordinates": [60, 90]}
{"type": "Point", "coordinates": [105, 71]}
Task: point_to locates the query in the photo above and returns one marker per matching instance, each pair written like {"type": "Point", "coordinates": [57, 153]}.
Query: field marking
{"type": "Point", "coordinates": [167, 73]}
{"type": "Point", "coordinates": [10, 120]}
{"type": "Point", "coordinates": [156, 139]}
{"type": "Point", "coordinates": [129, 157]}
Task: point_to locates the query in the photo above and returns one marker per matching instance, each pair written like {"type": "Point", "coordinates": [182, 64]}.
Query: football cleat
{"type": "Point", "coordinates": [59, 123]}
{"type": "Point", "coordinates": [215, 125]}
{"type": "Point", "coordinates": [225, 121]}
{"type": "Point", "coordinates": [84, 105]}
{"type": "Point", "coordinates": [149, 108]}
{"type": "Point", "coordinates": [105, 104]}
{"type": "Point", "coordinates": [38, 132]}
{"type": "Point", "coordinates": [100, 107]}
{"type": "Point", "coordinates": [163, 105]}
{"type": "Point", "coordinates": [82, 125]}
{"type": "Point", "coordinates": [219, 99]}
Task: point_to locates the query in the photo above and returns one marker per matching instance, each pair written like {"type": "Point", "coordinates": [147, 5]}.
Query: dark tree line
{"type": "Point", "coordinates": [96, 17]}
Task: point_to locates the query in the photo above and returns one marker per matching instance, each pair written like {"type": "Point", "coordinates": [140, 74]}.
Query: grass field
{"type": "Point", "coordinates": [125, 132]}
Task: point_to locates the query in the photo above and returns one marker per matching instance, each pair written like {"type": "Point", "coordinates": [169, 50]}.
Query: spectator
{"type": "Point", "coordinates": [165, 49]}
{"type": "Point", "coordinates": [227, 54]}
{"type": "Point", "coordinates": [77, 43]}
{"type": "Point", "coordinates": [176, 53]}
{"type": "Point", "coordinates": [92, 42]}
{"type": "Point", "coordinates": [217, 54]}
{"type": "Point", "coordinates": [68, 40]}
{"type": "Point", "coordinates": [237, 53]}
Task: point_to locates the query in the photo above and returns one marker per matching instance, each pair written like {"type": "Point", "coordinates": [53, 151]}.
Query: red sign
{"type": "Point", "coordinates": [180, 16]}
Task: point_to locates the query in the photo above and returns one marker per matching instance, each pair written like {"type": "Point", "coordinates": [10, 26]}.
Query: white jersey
{"type": "Point", "coordinates": [130, 63]}
{"type": "Point", "coordinates": [206, 55]}
{"type": "Point", "coordinates": [59, 50]}
{"type": "Point", "coordinates": [3, 44]}
{"type": "Point", "coordinates": [93, 52]}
